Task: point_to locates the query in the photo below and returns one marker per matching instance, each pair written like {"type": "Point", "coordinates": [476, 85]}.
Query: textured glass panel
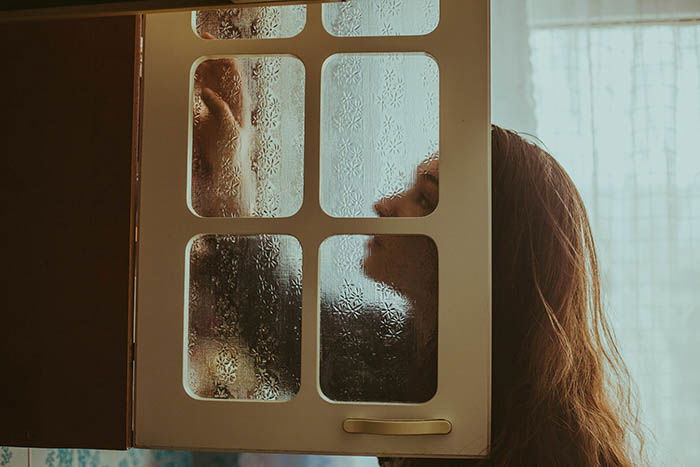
{"type": "Point", "coordinates": [379, 130]}
{"type": "Point", "coordinates": [378, 318]}
{"type": "Point", "coordinates": [270, 22]}
{"type": "Point", "coordinates": [248, 137]}
{"type": "Point", "coordinates": [244, 317]}
{"type": "Point", "coordinates": [381, 17]}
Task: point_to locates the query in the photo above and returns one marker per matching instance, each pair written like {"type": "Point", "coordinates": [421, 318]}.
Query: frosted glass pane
{"type": "Point", "coordinates": [271, 22]}
{"type": "Point", "coordinates": [244, 317]}
{"type": "Point", "coordinates": [248, 137]}
{"type": "Point", "coordinates": [378, 318]}
{"type": "Point", "coordinates": [379, 125]}
{"type": "Point", "coordinates": [381, 17]}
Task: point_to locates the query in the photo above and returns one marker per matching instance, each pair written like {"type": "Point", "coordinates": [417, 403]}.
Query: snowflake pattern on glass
{"type": "Point", "coordinates": [357, 18]}
{"type": "Point", "coordinates": [275, 87]}
{"type": "Point", "coordinates": [244, 317]}
{"type": "Point", "coordinates": [379, 122]}
{"type": "Point", "coordinates": [371, 347]}
{"type": "Point", "coordinates": [272, 22]}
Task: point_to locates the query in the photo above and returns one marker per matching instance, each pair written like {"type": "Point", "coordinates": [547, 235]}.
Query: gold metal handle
{"type": "Point", "coordinates": [397, 427]}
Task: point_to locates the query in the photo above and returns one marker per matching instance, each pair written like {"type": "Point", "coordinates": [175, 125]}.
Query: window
{"type": "Point", "coordinates": [243, 317]}
{"type": "Point", "coordinates": [272, 22]}
{"type": "Point", "coordinates": [617, 105]}
{"type": "Point", "coordinates": [387, 18]}
{"type": "Point", "coordinates": [268, 131]}
{"type": "Point", "coordinates": [378, 343]}
{"type": "Point", "coordinates": [379, 131]}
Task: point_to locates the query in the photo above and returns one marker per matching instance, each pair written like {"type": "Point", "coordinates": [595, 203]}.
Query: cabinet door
{"type": "Point", "coordinates": [314, 252]}
{"type": "Point", "coordinates": [68, 132]}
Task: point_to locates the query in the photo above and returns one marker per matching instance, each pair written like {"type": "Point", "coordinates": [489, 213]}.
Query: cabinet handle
{"type": "Point", "coordinates": [397, 427]}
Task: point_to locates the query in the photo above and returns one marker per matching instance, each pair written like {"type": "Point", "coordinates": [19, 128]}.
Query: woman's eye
{"type": "Point", "coordinates": [425, 203]}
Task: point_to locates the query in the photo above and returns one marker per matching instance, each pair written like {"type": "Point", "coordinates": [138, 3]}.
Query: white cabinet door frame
{"type": "Point", "coordinates": [165, 415]}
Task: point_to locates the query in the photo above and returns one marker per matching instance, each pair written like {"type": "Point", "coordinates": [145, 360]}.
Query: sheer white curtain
{"type": "Point", "coordinates": [616, 99]}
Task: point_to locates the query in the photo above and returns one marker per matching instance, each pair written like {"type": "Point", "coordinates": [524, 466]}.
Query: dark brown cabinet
{"type": "Point", "coordinates": [68, 149]}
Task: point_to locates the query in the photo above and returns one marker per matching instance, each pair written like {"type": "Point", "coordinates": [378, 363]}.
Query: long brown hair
{"type": "Point", "coordinates": [560, 391]}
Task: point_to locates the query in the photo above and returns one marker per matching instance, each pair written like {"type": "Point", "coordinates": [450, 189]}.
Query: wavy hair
{"type": "Point", "coordinates": [561, 394]}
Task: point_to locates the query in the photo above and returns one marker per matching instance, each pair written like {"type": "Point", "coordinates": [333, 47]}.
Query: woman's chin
{"type": "Point", "coordinates": [376, 270]}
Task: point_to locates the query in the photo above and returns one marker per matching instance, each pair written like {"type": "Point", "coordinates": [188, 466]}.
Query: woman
{"type": "Point", "coordinates": [560, 390]}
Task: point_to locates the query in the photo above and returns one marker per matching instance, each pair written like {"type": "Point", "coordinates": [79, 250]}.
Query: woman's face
{"type": "Point", "coordinates": [419, 200]}
{"type": "Point", "coordinates": [406, 261]}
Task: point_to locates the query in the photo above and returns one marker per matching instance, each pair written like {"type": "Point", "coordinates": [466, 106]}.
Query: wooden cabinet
{"type": "Point", "coordinates": [358, 112]}
{"type": "Point", "coordinates": [68, 148]}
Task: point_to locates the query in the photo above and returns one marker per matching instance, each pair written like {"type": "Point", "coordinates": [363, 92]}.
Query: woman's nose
{"type": "Point", "coordinates": [383, 207]}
